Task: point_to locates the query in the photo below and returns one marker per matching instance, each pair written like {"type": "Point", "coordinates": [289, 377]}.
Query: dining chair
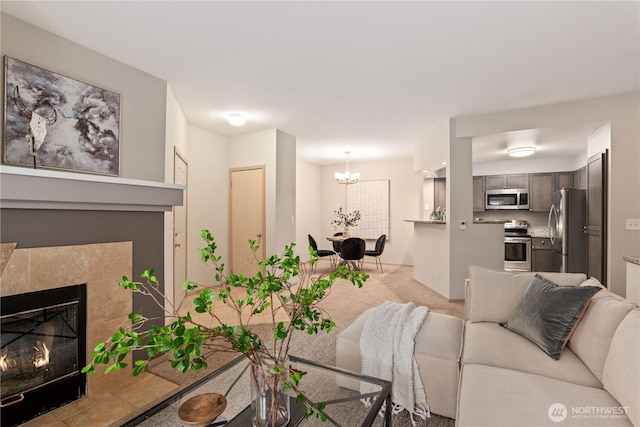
{"type": "Point", "coordinates": [352, 252]}
{"type": "Point", "coordinates": [321, 252]}
{"type": "Point", "coordinates": [378, 251]}
{"type": "Point", "coordinates": [337, 246]}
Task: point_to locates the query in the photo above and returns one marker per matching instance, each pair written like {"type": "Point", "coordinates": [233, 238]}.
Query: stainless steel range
{"type": "Point", "coordinates": [517, 246]}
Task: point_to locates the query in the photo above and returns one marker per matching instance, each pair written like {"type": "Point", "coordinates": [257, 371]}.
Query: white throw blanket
{"type": "Point", "coordinates": [387, 347]}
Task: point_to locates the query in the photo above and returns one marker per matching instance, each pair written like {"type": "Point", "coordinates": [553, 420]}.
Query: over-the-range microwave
{"type": "Point", "coordinates": [507, 198]}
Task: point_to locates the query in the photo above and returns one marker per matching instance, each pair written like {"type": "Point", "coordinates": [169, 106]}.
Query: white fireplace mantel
{"type": "Point", "coordinates": [23, 188]}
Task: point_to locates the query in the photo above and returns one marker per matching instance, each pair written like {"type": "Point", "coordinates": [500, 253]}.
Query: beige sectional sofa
{"type": "Point", "coordinates": [486, 375]}
{"type": "Point", "coordinates": [507, 380]}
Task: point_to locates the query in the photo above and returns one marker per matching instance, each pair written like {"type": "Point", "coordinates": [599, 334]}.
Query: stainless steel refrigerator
{"type": "Point", "coordinates": [567, 221]}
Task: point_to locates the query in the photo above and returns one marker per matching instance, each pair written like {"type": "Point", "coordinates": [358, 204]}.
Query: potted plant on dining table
{"type": "Point", "coordinates": [345, 220]}
{"type": "Point", "coordinates": [282, 283]}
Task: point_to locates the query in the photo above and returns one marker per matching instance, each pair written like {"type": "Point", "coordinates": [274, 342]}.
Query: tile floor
{"type": "Point", "coordinates": [97, 410]}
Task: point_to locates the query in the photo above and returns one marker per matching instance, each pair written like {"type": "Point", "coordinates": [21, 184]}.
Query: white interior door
{"type": "Point", "coordinates": [180, 176]}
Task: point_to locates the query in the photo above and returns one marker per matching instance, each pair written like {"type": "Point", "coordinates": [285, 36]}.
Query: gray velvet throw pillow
{"type": "Point", "coordinates": [548, 313]}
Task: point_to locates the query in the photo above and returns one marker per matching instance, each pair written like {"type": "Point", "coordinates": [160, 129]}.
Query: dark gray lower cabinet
{"type": "Point", "coordinates": [541, 254]}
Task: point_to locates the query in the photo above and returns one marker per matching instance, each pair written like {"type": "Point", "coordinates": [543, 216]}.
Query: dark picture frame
{"type": "Point", "coordinates": [56, 122]}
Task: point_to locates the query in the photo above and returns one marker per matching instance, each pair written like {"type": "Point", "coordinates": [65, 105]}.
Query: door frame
{"type": "Point", "coordinates": [177, 287]}
{"type": "Point", "coordinates": [262, 250]}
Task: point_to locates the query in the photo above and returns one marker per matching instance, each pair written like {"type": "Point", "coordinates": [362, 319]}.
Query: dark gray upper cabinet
{"type": "Point", "coordinates": [478, 193]}
{"type": "Point", "coordinates": [543, 185]}
{"type": "Point", "coordinates": [580, 178]}
{"type": "Point", "coordinates": [564, 180]}
{"type": "Point", "coordinates": [497, 182]}
{"type": "Point", "coordinates": [541, 188]}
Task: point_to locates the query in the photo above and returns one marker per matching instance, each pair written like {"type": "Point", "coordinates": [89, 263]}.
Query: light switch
{"type": "Point", "coordinates": [633, 224]}
{"type": "Point", "coordinates": [462, 225]}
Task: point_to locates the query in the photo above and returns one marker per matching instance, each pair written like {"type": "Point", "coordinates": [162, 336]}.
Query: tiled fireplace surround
{"type": "Point", "coordinates": [59, 229]}
{"type": "Point", "coordinates": [109, 397]}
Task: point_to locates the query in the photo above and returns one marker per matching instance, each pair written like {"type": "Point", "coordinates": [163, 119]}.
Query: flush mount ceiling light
{"type": "Point", "coordinates": [347, 177]}
{"type": "Point", "coordinates": [236, 119]}
{"type": "Point", "coordinates": [521, 151]}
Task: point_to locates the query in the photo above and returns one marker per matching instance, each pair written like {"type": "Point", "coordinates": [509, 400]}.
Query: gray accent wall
{"type": "Point", "coordinates": [142, 96]}
{"type": "Point", "coordinates": [35, 228]}
{"type": "Point", "coordinates": [142, 151]}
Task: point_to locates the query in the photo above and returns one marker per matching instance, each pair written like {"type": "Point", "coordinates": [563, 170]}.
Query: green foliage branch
{"type": "Point", "coordinates": [346, 219]}
{"type": "Point", "coordinates": [189, 343]}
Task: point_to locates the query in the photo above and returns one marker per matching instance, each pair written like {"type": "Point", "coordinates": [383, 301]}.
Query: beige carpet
{"type": "Point", "coordinates": [345, 304]}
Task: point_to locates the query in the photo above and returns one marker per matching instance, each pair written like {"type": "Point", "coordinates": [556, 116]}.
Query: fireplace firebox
{"type": "Point", "coordinates": [42, 350]}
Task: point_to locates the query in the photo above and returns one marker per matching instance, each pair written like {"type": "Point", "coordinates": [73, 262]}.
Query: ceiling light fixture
{"type": "Point", "coordinates": [347, 177]}
{"type": "Point", "coordinates": [521, 151]}
{"type": "Point", "coordinates": [236, 119]}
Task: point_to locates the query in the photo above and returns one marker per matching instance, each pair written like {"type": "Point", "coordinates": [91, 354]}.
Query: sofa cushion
{"type": "Point", "coordinates": [621, 375]}
{"type": "Point", "coordinates": [437, 352]}
{"type": "Point", "coordinates": [592, 337]}
{"type": "Point", "coordinates": [492, 295]}
{"type": "Point", "coordinates": [491, 396]}
{"type": "Point", "coordinates": [548, 312]}
{"type": "Point", "coordinates": [490, 344]}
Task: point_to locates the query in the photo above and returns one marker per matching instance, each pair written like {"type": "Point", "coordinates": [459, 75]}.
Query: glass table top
{"type": "Point", "coordinates": [338, 388]}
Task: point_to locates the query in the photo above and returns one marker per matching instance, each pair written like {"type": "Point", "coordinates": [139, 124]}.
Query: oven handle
{"type": "Point", "coordinates": [517, 239]}
{"type": "Point", "coordinates": [19, 398]}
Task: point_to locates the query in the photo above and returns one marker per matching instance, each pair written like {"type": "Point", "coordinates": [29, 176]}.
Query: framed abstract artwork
{"type": "Point", "coordinates": [371, 198]}
{"type": "Point", "coordinates": [55, 122]}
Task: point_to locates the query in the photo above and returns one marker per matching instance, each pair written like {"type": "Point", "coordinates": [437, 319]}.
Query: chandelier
{"type": "Point", "coordinates": [347, 177]}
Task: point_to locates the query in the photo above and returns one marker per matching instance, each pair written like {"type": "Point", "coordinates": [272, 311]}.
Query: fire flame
{"type": "Point", "coordinates": [41, 357]}
{"type": "Point", "coordinates": [6, 362]}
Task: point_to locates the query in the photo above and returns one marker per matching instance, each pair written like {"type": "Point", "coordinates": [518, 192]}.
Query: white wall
{"type": "Point", "coordinates": [285, 190]}
{"type": "Point", "coordinates": [431, 151]}
{"type": "Point", "coordinates": [623, 113]}
{"type": "Point", "coordinates": [208, 203]}
{"type": "Point", "coordinates": [431, 259]}
{"type": "Point", "coordinates": [428, 197]}
{"type": "Point", "coordinates": [308, 207]}
{"type": "Point", "coordinates": [432, 241]}
{"type": "Point", "coordinates": [176, 138]}
{"type": "Point", "coordinates": [405, 199]}
{"type": "Point", "coordinates": [599, 140]}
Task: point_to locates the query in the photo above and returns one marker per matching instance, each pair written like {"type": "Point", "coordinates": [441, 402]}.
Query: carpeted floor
{"type": "Point", "coordinates": [345, 304]}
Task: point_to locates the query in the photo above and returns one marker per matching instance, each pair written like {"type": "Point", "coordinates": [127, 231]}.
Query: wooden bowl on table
{"type": "Point", "coordinates": [202, 409]}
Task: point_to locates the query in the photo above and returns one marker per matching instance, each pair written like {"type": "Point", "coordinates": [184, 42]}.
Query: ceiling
{"type": "Point", "coordinates": [368, 77]}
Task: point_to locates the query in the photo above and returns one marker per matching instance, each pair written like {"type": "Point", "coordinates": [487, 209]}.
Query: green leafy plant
{"type": "Point", "coordinates": [281, 283]}
{"type": "Point", "coordinates": [438, 214]}
{"type": "Point", "coordinates": [345, 219]}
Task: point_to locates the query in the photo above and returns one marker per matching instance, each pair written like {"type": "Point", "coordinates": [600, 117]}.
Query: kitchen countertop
{"type": "Point", "coordinates": [425, 221]}
{"type": "Point", "coordinates": [541, 232]}
{"type": "Point", "coordinates": [631, 259]}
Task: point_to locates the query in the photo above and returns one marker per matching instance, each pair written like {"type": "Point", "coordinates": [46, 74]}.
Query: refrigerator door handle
{"type": "Point", "coordinates": [552, 230]}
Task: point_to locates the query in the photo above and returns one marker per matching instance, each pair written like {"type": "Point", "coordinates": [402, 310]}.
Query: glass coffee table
{"type": "Point", "coordinates": [336, 387]}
